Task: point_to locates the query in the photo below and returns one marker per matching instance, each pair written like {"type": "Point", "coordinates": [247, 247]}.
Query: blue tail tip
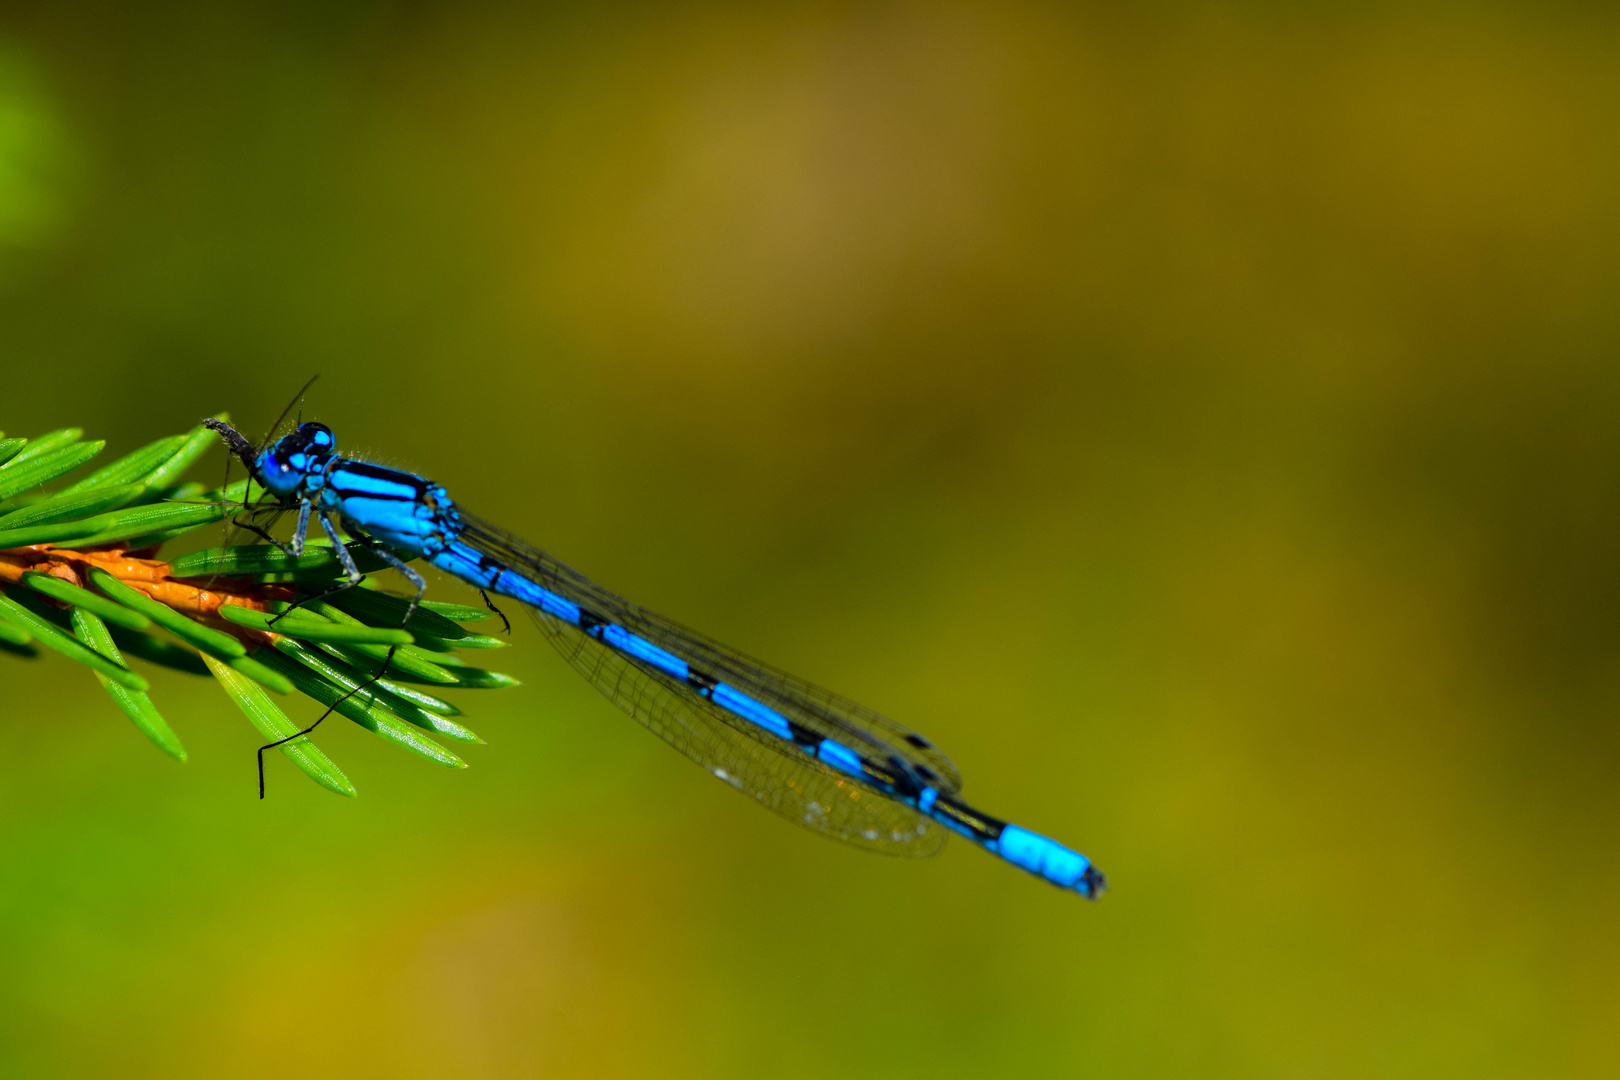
{"type": "Point", "coordinates": [1046, 858]}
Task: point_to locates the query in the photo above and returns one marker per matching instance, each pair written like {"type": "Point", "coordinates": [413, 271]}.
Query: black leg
{"type": "Point", "coordinates": [348, 562]}
{"type": "Point", "coordinates": [258, 531]}
{"type": "Point", "coordinates": [352, 574]}
{"type": "Point", "coordinates": [224, 506]}
{"type": "Point", "coordinates": [302, 530]}
{"type": "Point", "coordinates": [290, 738]}
{"type": "Point", "coordinates": [389, 659]}
{"type": "Point", "coordinates": [491, 605]}
{"type": "Point", "coordinates": [410, 575]}
{"type": "Point", "coordinates": [246, 452]}
{"type": "Point", "coordinates": [329, 527]}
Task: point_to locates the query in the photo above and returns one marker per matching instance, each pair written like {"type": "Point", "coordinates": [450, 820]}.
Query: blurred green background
{"type": "Point", "coordinates": [1200, 419]}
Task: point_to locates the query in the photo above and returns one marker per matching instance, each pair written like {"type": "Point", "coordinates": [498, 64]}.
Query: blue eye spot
{"type": "Point", "coordinates": [316, 436]}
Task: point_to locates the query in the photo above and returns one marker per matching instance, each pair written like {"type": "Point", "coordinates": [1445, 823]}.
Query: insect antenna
{"type": "Point", "coordinates": [298, 399]}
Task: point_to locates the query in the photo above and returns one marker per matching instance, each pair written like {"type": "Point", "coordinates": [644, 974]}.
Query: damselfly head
{"type": "Point", "coordinates": [286, 462]}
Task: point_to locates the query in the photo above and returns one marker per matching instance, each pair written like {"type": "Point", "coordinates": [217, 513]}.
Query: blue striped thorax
{"type": "Point", "coordinates": [296, 464]}
{"type": "Point", "coordinates": [411, 514]}
{"type": "Point", "coordinates": [407, 512]}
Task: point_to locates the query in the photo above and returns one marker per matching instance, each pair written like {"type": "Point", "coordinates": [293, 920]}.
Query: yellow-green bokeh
{"type": "Point", "coordinates": [1198, 419]}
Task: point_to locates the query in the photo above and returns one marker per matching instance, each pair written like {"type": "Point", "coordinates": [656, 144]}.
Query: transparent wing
{"type": "Point", "coordinates": [795, 787]}
{"type": "Point", "coordinates": [827, 714]}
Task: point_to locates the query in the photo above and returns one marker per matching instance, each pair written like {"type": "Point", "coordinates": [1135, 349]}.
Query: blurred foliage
{"type": "Point", "coordinates": [1197, 418]}
{"type": "Point", "coordinates": [35, 158]}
